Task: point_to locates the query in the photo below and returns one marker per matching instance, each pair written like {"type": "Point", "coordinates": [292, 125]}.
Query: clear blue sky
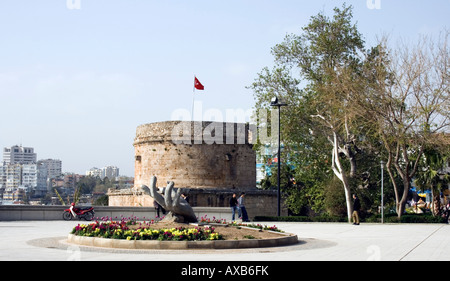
{"type": "Point", "coordinates": [75, 83]}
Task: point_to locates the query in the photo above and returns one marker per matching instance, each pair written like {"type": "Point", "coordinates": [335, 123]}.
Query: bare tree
{"type": "Point", "coordinates": [408, 99]}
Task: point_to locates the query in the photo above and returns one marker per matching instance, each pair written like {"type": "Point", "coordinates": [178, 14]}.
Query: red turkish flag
{"type": "Point", "coordinates": [197, 84]}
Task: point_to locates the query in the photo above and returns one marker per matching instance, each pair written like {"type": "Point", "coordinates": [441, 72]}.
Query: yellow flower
{"type": "Point", "coordinates": [214, 236]}
{"type": "Point", "coordinates": [193, 231]}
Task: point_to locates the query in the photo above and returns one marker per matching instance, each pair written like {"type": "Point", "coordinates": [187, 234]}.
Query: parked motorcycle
{"type": "Point", "coordinates": [86, 213]}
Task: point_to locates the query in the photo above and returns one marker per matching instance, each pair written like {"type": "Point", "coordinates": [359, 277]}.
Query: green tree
{"type": "Point", "coordinates": [320, 122]}
{"type": "Point", "coordinates": [87, 184]}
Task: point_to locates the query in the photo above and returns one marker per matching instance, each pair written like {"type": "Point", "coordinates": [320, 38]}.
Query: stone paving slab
{"type": "Point", "coordinates": [46, 240]}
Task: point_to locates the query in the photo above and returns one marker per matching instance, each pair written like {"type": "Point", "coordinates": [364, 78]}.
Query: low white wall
{"type": "Point", "coordinates": [24, 212]}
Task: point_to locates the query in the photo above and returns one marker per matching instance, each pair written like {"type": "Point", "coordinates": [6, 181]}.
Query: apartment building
{"type": "Point", "coordinates": [20, 170]}
{"type": "Point", "coordinates": [18, 154]}
{"type": "Point", "coordinates": [52, 166]}
{"type": "Point", "coordinates": [110, 172]}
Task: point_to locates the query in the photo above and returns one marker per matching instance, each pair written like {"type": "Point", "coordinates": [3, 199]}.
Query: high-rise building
{"type": "Point", "coordinates": [19, 155]}
{"type": "Point", "coordinates": [53, 166]}
{"type": "Point", "coordinates": [13, 176]}
{"type": "Point", "coordinates": [29, 176]}
{"type": "Point", "coordinates": [2, 177]}
{"type": "Point", "coordinates": [94, 172]}
{"type": "Point", "coordinates": [43, 184]}
{"type": "Point", "coordinates": [110, 172]}
{"type": "Point", "coordinates": [20, 170]}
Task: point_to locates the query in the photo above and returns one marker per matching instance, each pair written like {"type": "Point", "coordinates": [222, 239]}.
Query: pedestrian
{"type": "Point", "coordinates": [356, 208]}
{"type": "Point", "coordinates": [158, 208]}
{"type": "Point", "coordinates": [233, 206]}
{"type": "Point", "coordinates": [242, 211]}
{"type": "Point", "coordinates": [185, 197]}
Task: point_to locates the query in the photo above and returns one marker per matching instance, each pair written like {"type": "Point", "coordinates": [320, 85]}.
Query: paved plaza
{"type": "Point", "coordinates": [46, 240]}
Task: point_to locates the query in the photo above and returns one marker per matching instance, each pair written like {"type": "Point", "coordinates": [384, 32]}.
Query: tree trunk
{"type": "Point", "coordinates": [348, 199]}
{"type": "Point", "coordinates": [402, 203]}
{"type": "Point", "coordinates": [336, 165]}
{"type": "Point", "coordinates": [340, 174]}
{"type": "Point", "coordinates": [435, 201]}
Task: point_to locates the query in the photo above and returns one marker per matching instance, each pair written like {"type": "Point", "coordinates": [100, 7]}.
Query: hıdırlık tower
{"type": "Point", "coordinates": [195, 155]}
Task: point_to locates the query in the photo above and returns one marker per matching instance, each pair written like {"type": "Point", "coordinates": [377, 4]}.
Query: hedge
{"type": "Point", "coordinates": [322, 218]}
{"type": "Point", "coordinates": [390, 218]}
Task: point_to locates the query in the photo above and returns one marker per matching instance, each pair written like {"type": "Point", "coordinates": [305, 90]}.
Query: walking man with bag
{"type": "Point", "coordinates": [356, 208]}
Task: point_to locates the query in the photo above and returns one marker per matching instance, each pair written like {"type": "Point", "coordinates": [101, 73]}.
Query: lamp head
{"type": "Point", "coordinates": [274, 101]}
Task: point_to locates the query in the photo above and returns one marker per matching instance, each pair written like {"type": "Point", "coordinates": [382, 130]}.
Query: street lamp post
{"type": "Point", "coordinates": [275, 102]}
{"type": "Point", "coordinates": [382, 183]}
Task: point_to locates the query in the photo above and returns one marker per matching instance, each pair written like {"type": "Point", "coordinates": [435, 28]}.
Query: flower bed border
{"type": "Point", "coordinates": [285, 239]}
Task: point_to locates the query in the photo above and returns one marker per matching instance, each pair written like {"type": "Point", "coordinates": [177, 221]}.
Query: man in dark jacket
{"type": "Point", "coordinates": [356, 208]}
{"type": "Point", "coordinates": [233, 206]}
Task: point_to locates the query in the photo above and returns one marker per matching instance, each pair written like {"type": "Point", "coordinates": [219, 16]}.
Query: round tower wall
{"type": "Point", "coordinates": [212, 155]}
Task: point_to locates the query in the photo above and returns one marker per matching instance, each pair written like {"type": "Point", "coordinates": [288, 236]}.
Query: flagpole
{"type": "Point", "coordinates": [193, 98]}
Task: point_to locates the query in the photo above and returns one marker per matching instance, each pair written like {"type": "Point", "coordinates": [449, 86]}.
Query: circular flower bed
{"type": "Point", "coordinates": [117, 230]}
{"type": "Point", "coordinates": [131, 229]}
{"type": "Point", "coordinates": [130, 233]}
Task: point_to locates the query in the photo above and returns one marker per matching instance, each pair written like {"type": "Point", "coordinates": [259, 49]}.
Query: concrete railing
{"type": "Point", "coordinates": [25, 212]}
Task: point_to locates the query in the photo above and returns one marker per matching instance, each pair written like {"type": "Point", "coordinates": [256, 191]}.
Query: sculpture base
{"type": "Point", "coordinates": [257, 202]}
{"type": "Point", "coordinates": [171, 217]}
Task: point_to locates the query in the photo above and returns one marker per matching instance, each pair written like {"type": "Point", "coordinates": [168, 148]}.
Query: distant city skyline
{"type": "Point", "coordinates": [77, 77]}
{"type": "Point", "coordinates": [27, 155]}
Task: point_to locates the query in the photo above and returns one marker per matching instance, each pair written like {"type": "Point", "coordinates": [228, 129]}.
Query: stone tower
{"type": "Point", "coordinates": [195, 155]}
